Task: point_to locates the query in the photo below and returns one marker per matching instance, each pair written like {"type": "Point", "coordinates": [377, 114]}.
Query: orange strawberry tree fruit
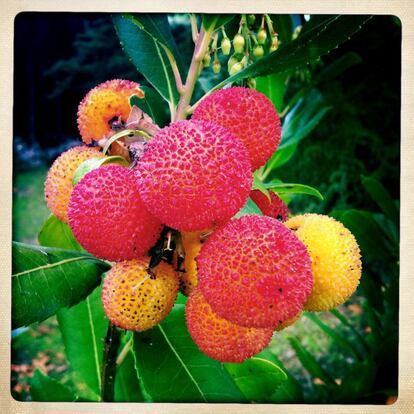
{"type": "Point", "coordinates": [173, 195]}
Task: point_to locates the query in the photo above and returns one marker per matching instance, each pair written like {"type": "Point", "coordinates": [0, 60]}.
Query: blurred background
{"type": "Point", "coordinates": [59, 57]}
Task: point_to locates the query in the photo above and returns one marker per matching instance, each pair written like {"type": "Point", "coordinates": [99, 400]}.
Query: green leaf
{"type": "Point", "coordinates": [148, 56]}
{"type": "Point", "coordinates": [153, 105]}
{"type": "Point", "coordinates": [257, 378]}
{"type": "Point", "coordinates": [285, 188]}
{"type": "Point", "coordinates": [274, 87]}
{"type": "Point", "coordinates": [303, 118]}
{"type": "Point", "coordinates": [290, 390]}
{"type": "Point", "coordinates": [310, 363]}
{"type": "Point", "coordinates": [173, 369]}
{"type": "Point", "coordinates": [127, 384]}
{"type": "Point", "coordinates": [46, 279]}
{"type": "Point", "coordinates": [249, 208]}
{"type": "Point", "coordinates": [324, 36]}
{"type": "Point", "coordinates": [158, 27]}
{"type": "Point", "coordinates": [55, 233]}
{"type": "Point", "coordinates": [382, 197]}
{"type": "Point", "coordinates": [357, 382]}
{"type": "Point", "coordinates": [346, 323]}
{"type": "Point", "coordinates": [212, 21]}
{"type": "Point", "coordinates": [298, 124]}
{"type": "Point", "coordinates": [258, 185]}
{"type": "Point", "coordinates": [83, 329]}
{"type": "Point", "coordinates": [93, 163]}
{"type": "Point", "coordinates": [46, 389]}
{"type": "Point", "coordinates": [338, 339]}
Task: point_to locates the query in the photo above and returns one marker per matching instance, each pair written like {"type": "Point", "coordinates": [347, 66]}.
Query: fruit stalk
{"type": "Point", "coordinates": [112, 341]}
{"type": "Point", "coordinates": [200, 49]}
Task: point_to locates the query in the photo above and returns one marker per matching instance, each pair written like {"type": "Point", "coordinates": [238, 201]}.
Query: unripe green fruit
{"type": "Point", "coordinates": [238, 43]}
{"type": "Point", "coordinates": [275, 44]}
{"type": "Point", "coordinates": [232, 61]}
{"type": "Point", "coordinates": [251, 83]}
{"type": "Point", "coordinates": [237, 67]}
{"type": "Point", "coordinates": [226, 46]}
{"type": "Point", "coordinates": [216, 66]}
{"type": "Point", "coordinates": [206, 60]}
{"type": "Point", "coordinates": [261, 36]}
{"type": "Point", "coordinates": [251, 18]}
{"type": "Point", "coordinates": [258, 51]}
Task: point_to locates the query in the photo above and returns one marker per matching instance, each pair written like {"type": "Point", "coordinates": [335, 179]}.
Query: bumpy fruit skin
{"type": "Point", "coordinates": [133, 299]}
{"type": "Point", "coordinates": [274, 207]}
{"type": "Point", "coordinates": [336, 260]}
{"type": "Point", "coordinates": [58, 184]}
{"type": "Point", "coordinates": [108, 217]}
{"type": "Point", "coordinates": [255, 272]}
{"type": "Point", "coordinates": [249, 115]}
{"type": "Point", "coordinates": [103, 103]}
{"type": "Point", "coordinates": [192, 246]}
{"type": "Point", "coordinates": [219, 338]}
{"type": "Point", "coordinates": [194, 175]}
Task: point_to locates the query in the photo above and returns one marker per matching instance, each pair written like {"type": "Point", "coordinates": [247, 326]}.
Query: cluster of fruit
{"type": "Point", "coordinates": [167, 222]}
{"type": "Point", "coordinates": [252, 41]}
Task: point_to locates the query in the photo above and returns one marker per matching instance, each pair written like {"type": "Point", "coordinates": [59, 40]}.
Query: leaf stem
{"type": "Point", "coordinates": [124, 352]}
{"type": "Point", "coordinates": [174, 67]}
{"type": "Point", "coordinates": [112, 341]}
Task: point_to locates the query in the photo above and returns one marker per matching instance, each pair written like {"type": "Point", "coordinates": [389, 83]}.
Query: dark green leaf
{"type": "Point", "coordinates": [46, 389]}
{"type": "Point", "coordinates": [55, 233]}
{"type": "Point", "coordinates": [157, 26]}
{"type": "Point", "coordinates": [147, 55]}
{"type": "Point", "coordinates": [282, 23]}
{"type": "Point", "coordinates": [382, 197]}
{"type": "Point", "coordinates": [46, 279]}
{"type": "Point", "coordinates": [285, 188]}
{"type": "Point", "coordinates": [173, 369]}
{"type": "Point", "coordinates": [257, 378]}
{"type": "Point", "coordinates": [368, 234]}
{"type": "Point", "coordinates": [310, 363]}
{"type": "Point", "coordinates": [153, 105]}
{"type": "Point", "coordinates": [249, 208]}
{"type": "Point", "coordinates": [127, 384]}
{"type": "Point", "coordinates": [326, 35]}
{"type": "Point", "coordinates": [83, 329]}
{"type": "Point", "coordinates": [338, 339]}
{"type": "Point", "coordinates": [212, 21]}
{"type": "Point", "coordinates": [337, 67]}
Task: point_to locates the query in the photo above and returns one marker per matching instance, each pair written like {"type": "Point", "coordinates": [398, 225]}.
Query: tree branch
{"type": "Point", "coordinates": [112, 340]}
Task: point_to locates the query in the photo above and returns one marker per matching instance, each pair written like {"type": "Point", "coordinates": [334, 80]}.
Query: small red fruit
{"type": "Point", "coordinates": [249, 115]}
{"type": "Point", "coordinates": [254, 271]}
{"type": "Point", "coordinates": [108, 217]}
{"type": "Point", "coordinates": [217, 337]}
{"type": "Point", "coordinates": [274, 207]}
{"type": "Point", "coordinates": [194, 175]}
